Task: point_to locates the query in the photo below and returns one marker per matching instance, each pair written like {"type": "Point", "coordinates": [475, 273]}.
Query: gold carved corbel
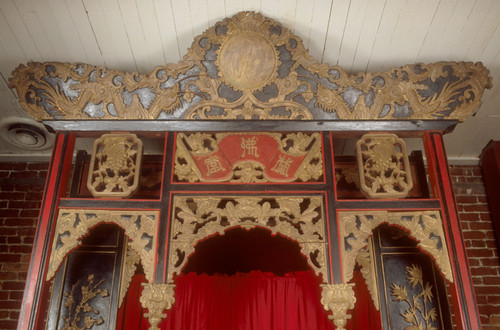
{"type": "Point", "coordinates": [72, 224]}
{"type": "Point", "coordinates": [156, 298]}
{"type": "Point", "coordinates": [339, 299]}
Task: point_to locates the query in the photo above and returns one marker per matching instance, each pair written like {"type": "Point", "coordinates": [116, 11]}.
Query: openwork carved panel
{"type": "Point", "coordinates": [73, 224]}
{"type": "Point", "coordinates": [424, 226]}
{"type": "Point", "coordinates": [115, 165]}
{"type": "Point", "coordinates": [250, 67]}
{"type": "Point", "coordinates": [383, 165]}
{"type": "Point", "coordinates": [300, 218]}
{"type": "Point", "coordinates": [248, 157]}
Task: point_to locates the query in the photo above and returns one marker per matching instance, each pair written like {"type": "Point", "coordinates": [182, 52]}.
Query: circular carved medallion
{"type": "Point", "coordinates": [247, 61]}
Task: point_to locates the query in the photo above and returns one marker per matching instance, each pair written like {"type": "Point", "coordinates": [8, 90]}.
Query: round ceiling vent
{"type": "Point", "coordinates": [26, 133]}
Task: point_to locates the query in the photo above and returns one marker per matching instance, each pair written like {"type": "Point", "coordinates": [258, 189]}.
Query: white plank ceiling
{"type": "Point", "coordinates": [359, 35]}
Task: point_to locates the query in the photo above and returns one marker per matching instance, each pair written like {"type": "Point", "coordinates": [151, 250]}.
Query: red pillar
{"type": "Point", "coordinates": [57, 178]}
{"type": "Point", "coordinates": [462, 291]}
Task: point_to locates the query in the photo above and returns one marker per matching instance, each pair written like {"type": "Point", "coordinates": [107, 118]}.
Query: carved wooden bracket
{"type": "Point", "coordinates": [156, 298]}
{"type": "Point", "coordinates": [73, 224]}
{"type": "Point", "coordinates": [338, 298]}
{"type": "Point", "coordinates": [250, 67]}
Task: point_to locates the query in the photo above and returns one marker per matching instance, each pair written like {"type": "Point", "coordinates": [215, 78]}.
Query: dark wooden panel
{"type": "Point", "coordinates": [412, 291]}
{"type": "Point", "coordinates": [87, 284]}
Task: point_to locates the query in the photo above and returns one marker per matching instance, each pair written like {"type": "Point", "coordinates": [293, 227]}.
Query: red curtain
{"type": "Point", "coordinates": [253, 301]}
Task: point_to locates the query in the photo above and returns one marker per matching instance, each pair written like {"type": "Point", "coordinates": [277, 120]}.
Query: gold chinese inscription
{"type": "Point", "coordinates": [383, 165]}
{"type": "Point", "coordinates": [259, 70]}
{"type": "Point", "coordinates": [115, 165]}
{"type": "Point", "coordinates": [73, 224]}
{"type": "Point", "coordinates": [248, 157]}
{"type": "Point", "coordinates": [296, 217]}
{"type": "Point", "coordinates": [424, 226]}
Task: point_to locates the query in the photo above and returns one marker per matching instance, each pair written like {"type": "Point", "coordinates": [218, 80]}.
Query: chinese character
{"type": "Point", "coordinates": [282, 165]}
{"type": "Point", "coordinates": [249, 146]}
{"type": "Point", "coordinates": [213, 164]}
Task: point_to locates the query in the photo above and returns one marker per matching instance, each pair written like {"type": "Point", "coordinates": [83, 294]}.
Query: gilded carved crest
{"type": "Point", "coordinates": [250, 67]}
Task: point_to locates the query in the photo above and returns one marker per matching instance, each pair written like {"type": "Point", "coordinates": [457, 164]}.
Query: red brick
{"type": "Point", "coordinates": [7, 187]}
{"type": "Point", "coordinates": [23, 174]}
{"type": "Point", "coordinates": [38, 166]}
{"type": "Point", "coordinates": [34, 196]}
{"type": "Point", "coordinates": [20, 248]}
{"type": "Point", "coordinates": [8, 257]}
{"type": "Point", "coordinates": [473, 235]}
{"type": "Point", "coordinates": [8, 324]}
{"type": "Point", "coordinates": [13, 166]}
{"type": "Point", "coordinates": [476, 208]}
{"type": "Point", "coordinates": [16, 196]}
{"type": "Point", "coordinates": [13, 285]}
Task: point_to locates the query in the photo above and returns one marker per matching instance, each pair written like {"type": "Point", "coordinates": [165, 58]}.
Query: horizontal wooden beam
{"type": "Point", "coordinates": [444, 126]}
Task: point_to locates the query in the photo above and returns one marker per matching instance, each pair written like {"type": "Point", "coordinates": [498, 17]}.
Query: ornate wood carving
{"type": "Point", "coordinates": [250, 67]}
{"type": "Point", "coordinates": [73, 224]}
{"type": "Point", "coordinates": [83, 307]}
{"type": "Point", "coordinates": [156, 298]}
{"type": "Point", "coordinates": [338, 298]}
{"type": "Point", "coordinates": [424, 226]}
{"type": "Point", "coordinates": [420, 313]}
{"type": "Point", "coordinates": [132, 258]}
{"type": "Point", "coordinates": [248, 157]}
{"type": "Point", "coordinates": [366, 260]}
{"type": "Point", "coordinates": [383, 165]}
{"type": "Point", "coordinates": [115, 165]}
{"type": "Point", "coordinates": [297, 217]}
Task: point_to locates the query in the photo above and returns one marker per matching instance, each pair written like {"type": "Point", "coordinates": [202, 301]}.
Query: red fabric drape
{"type": "Point", "coordinates": [253, 301]}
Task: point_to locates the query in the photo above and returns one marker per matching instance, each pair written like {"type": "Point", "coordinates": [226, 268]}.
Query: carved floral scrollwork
{"type": "Point", "coordinates": [115, 165]}
{"type": "Point", "coordinates": [282, 82]}
{"type": "Point", "coordinates": [424, 226]}
{"type": "Point", "coordinates": [132, 258]}
{"type": "Point", "coordinates": [156, 298]}
{"type": "Point", "coordinates": [383, 165]}
{"type": "Point", "coordinates": [198, 217]}
{"type": "Point", "coordinates": [338, 298]}
{"type": "Point", "coordinates": [73, 224]}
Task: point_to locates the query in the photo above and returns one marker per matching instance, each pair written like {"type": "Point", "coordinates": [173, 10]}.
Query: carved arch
{"type": "Point", "coordinates": [73, 224]}
{"type": "Point", "coordinates": [356, 227]}
{"type": "Point", "coordinates": [299, 218]}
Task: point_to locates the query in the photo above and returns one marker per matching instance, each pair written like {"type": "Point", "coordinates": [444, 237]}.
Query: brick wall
{"type": "Point", "coordinates": [479, 236]}
{"type": "Point", "coordinates": [21, 187]}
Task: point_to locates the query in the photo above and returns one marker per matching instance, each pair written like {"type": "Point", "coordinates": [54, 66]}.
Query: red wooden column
{"type": "Point", "coordinates": [462, 291]}
{"type": "Point", "coordinates": [57, 178]}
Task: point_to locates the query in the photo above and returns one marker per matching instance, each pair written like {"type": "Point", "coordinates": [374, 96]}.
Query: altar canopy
{"type": "Point", "coordinates": [249, 132]}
